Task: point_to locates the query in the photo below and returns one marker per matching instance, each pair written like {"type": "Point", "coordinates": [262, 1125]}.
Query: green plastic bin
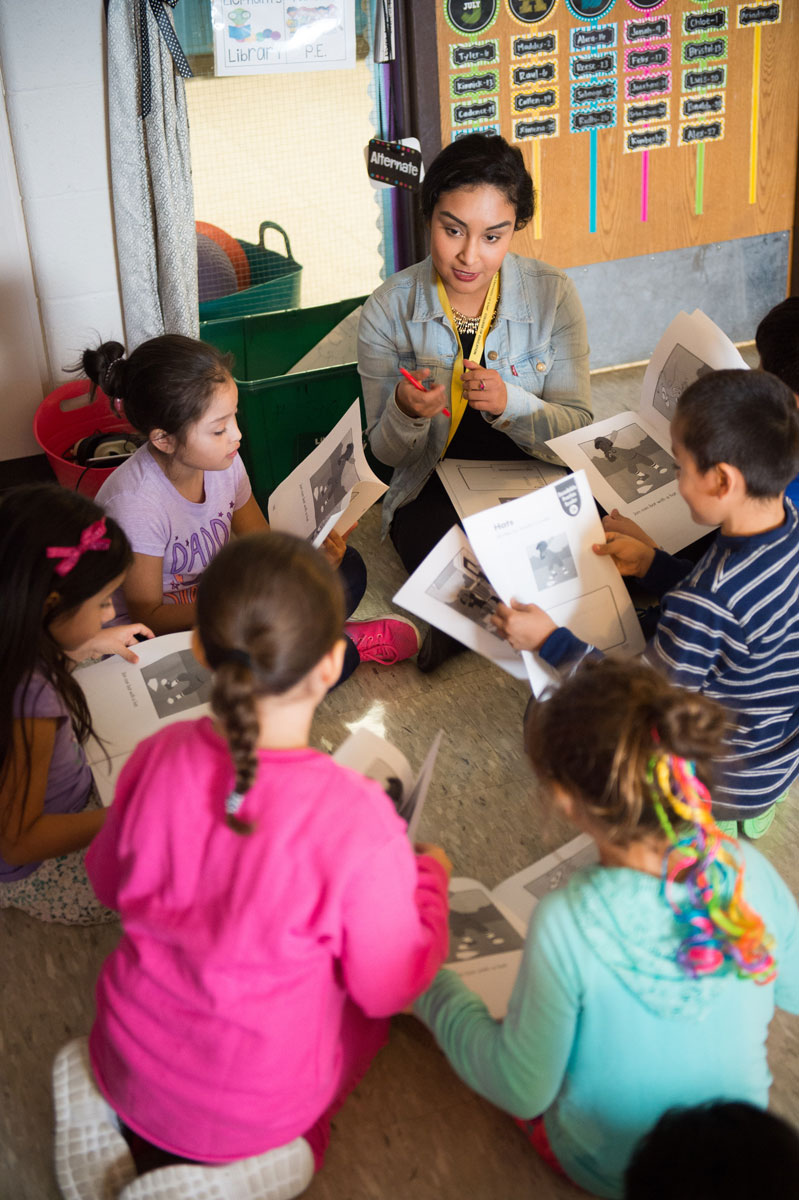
{"type": "Point", "coordinates": [275, 281]}
{"type": "Point", "coordinates": [282, 417]}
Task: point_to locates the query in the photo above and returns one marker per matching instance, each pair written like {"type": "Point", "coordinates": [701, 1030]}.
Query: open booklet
{"type": "Point", "coordinates": [331, 489]}
{"type": "Point", "coordinates": [536, 549]}
{"type": "Point", "coordinates": [487, 928]}
{"type": "Point", "coordinates": [131, 701]}
{"type": "Point", "coordinates": [473, 485]}
{"type": "Point", "coordinates": [628, 458]}
{"type": "Point", "coordinates": [376, 758]}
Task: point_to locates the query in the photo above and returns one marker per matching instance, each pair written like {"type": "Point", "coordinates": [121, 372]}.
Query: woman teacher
{"type": "Point", "coordinates": [498, 340]}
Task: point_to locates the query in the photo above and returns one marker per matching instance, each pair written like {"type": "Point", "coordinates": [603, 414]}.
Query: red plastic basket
{"type": "Point", "coordinates": [57, 430]}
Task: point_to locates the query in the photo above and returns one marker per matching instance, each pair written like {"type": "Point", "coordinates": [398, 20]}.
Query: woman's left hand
{"type": "Point", "coordinates": [484, 390]}
{"type": "Point", "coordinates": [115, 639]}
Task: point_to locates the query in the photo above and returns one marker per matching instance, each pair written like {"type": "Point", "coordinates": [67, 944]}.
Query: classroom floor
{"type": "Point", "coordinates": [412, 1130]}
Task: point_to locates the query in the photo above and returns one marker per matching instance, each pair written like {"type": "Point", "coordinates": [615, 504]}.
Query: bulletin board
{"type": "Point", "coordinates": [647, 126]}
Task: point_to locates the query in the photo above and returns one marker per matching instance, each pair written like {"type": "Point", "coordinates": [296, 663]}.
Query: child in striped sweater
{"type": "Point", "coordinates": [728, 626]}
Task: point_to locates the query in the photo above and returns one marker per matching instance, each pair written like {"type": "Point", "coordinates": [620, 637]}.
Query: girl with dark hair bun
{"type": "Point", "coordinates": [497, 341]}
{"type": "Point", "coordinates": [274, 913]}
{"type": "Point", "coordinates": [185, 491]}
{"type": "Point", "coordinates": [648, 979]}
{"type": "Point", "coordinates": [60, 561]}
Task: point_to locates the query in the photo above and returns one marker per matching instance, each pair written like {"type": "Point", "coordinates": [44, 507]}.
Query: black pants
{"type": "Point", "coordinates": [421, 524]}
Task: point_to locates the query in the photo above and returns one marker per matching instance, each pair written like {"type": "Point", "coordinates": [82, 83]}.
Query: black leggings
{"type": "Point", "coordinates": [421, 524]}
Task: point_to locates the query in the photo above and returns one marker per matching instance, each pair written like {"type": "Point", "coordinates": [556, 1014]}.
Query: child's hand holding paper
{"type": "Point", "coordinates": [523, 626]}
{"type": "Point", "coordinates": [629, 555]}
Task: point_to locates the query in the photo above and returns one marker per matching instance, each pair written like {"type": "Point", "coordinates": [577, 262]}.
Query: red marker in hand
{"type": "Point", "coordinates": [419, 386]}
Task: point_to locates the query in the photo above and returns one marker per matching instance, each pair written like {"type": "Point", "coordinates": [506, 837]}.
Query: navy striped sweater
{"type": "Point", "coordinates": [730, 629]}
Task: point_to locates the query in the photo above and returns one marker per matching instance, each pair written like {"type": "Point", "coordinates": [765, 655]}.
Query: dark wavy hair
{"type": "Point", "coordinates": [269, 607]}
{"type": "Point", "coordinates": [777, 341]}
{"type": "Point", "coordinates": [748, 419]}
{"type": "Point", "coordinates": [167, 383]}
{"type": "Point", "coordinates": [32, 596]}
{"type": "Point", "coordinates": [476, 159]}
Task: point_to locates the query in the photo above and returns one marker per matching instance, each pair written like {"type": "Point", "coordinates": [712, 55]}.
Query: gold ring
{"type": "Point", "coordinates": [481, 385]}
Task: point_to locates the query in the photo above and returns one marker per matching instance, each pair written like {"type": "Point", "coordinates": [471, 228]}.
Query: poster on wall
{"type": "Point", "coordinates": [257, 37]}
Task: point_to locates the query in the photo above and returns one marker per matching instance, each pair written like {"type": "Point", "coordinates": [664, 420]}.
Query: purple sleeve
{"type": "Point", "coordinates": [143, 522]}
{"type": "Point", "coordinates": [38, 700]}
{"type": "Point", "coordinates": [241, 481]}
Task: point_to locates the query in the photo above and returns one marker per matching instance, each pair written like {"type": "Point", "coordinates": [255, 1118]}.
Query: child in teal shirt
{"type": "Point", "coordinates": [631, 998]}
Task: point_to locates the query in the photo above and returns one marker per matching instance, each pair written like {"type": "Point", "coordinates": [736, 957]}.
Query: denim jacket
{"type": "Point", "coordinates": [538, 345]}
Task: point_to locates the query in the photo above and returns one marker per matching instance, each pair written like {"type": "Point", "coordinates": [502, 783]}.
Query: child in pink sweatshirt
{"type": "Point", "coordinates": [274, 913]}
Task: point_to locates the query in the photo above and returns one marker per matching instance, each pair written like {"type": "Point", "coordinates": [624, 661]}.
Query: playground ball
{"type": "Point", "coordinates": [215, 272]}
{"type": "Point", "coordinates": [231, 248]}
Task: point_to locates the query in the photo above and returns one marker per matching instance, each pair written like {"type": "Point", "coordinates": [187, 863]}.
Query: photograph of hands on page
{"type": "Point", "coordinates": [331, 489]}
{"type": "Point", "coordinates": [473, 485]}
{"type": "Point", "coordinates": [627, 457]}
{"type": "Point", "coordinates": [373, 756]}
{"type": "Point", "coordinates": [486, 928]}
{"type": "Point", "coordinates": [535, 549]}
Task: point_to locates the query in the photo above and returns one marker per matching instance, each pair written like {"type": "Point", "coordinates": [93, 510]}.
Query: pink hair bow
{"type": "Point", "coordinates": [92, 538]}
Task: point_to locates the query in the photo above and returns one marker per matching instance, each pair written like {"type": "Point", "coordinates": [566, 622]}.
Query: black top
{"type": "Point", "coordinates": [475, 437]}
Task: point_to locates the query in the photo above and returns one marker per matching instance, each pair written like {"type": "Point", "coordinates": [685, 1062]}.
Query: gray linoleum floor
{"type": "Point", "coordinates": [412, 1130]}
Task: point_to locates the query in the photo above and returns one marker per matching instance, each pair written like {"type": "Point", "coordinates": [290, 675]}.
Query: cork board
{"type": "Point", "coordinates": [647, 126]}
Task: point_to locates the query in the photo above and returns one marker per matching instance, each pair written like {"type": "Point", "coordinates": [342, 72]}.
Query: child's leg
{"type": "Point", "coordinates": [536, 1132]}
{"type": "Point", "coordinates": [352, 572]}
{"type": "Point", "coordinates": [59, 890]}
{"type": "Point", "coordinates": [361, 1038]}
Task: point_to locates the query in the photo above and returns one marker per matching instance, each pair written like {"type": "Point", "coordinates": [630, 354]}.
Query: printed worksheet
{"type": "Point", "coordinates": [473, 485]}
{"type": "Point", "coordinates": [130, 701]}
{"type": "Point", "coordinates": [538, 549]}
{"type": "Point", "coordinates": [331, 489]}
{"type": "Point", "coordinates": [627, 457]}
{"type": "Point", "coordinates": [450, 590]}
{"type": "Point", "coordinates": [487, 928]}
{"type": "Point", "coordinates": [373, 756]}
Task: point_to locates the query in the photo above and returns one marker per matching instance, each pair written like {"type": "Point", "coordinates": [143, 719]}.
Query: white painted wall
{"type": "Point", "coordinates": [53, 73]}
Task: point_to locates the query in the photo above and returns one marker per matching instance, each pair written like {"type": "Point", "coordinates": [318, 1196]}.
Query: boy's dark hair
{"type": "Point", "coordinates": [269, 607]}
{"type": "Point", "coordinates": [777, 341]}
{"type": "Point", "coordinates": [477, 159]}
{"type": "Point", "coordinates": [716, 1151]}
{"type": "Point", "coordinates": [748, 419]}
{"type": "Point", "coordinates": [33, 595]}
{"type": "Point", "coordinates": [166, 383]}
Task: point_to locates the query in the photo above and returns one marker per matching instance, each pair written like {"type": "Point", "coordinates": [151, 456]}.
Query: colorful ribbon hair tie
{"type": "Point", "coordinates": [92, 538]}
{"type": "Point", "coordinates": [720, 926]}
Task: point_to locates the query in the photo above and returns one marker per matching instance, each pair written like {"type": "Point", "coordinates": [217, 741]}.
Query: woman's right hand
{"type": "Point", "coordinates": [420, 404]}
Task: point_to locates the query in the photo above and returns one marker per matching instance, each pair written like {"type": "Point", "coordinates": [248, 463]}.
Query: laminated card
{"type": "Point", "coordinates": [473, 485]}
{"type": "Point", "coordinates": [538, 549]}
{"type": "Point", "coordinates": [627, 457]}
{"type": "Point", "coordinates": [378, 759]}
{"type": "Point", "coordinates": [331, 489]}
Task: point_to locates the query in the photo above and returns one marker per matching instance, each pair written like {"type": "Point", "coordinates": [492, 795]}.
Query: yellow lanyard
{"type": "Point", "coordinates": [457, 398]}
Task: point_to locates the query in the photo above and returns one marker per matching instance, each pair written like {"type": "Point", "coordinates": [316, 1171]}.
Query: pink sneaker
{"type": "Point", "coordinates": [385, 640]}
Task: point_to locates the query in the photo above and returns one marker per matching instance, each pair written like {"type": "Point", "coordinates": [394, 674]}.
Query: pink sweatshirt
{"type": "Point", "coordinates": [251, 970]}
